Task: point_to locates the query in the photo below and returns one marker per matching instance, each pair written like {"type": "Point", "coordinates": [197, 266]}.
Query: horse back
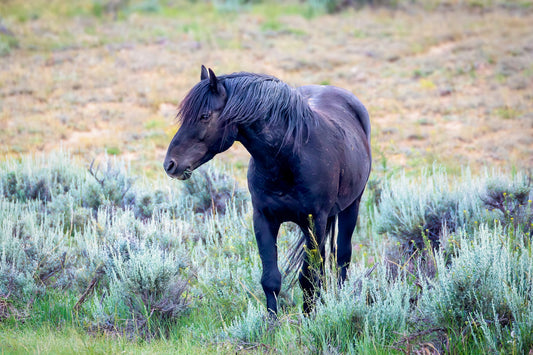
{"type": "Point", "coordinates": [337, 105]}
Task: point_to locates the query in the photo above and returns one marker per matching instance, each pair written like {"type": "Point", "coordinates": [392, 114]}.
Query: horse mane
{"type": "Point", "coordinates": [253, 97]}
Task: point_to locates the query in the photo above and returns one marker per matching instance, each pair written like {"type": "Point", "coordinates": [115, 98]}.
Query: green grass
{"type": "Point", "coordinates": [7, 44]}
{"type": "Point", "coordinates": [71, 340]}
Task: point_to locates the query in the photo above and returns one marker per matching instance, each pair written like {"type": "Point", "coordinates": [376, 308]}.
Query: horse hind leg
{"type": "Point", "coordinates": [312, 270]}
{"type": "Point", "coordinates": [347, 222]}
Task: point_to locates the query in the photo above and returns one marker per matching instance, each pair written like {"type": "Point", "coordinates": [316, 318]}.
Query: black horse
{"type": "Point", "coordinates": [310, 149]}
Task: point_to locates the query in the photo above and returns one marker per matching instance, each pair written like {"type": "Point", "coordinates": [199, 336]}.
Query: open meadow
{"type": "Point", "coordinates": [115, 257]}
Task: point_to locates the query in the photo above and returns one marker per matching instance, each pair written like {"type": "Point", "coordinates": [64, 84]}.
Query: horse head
{"type": "Point", "coordinates": [202, 134]}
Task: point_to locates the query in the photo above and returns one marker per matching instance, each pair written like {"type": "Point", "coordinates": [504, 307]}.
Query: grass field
{"type": "Point", "coordinates": [449, 88]}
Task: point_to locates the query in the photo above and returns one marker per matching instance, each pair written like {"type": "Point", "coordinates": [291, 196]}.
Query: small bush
{"type": "Point", "coordinates": [511, 201]}
{"type": "Point", "coordinates": [142, 280]}
{"type": "Point", "coordinates": [210, 190]}
{"type": "Point", "coordinates": [33, 252]}
{"type": "Point", "coordinates": [113, 185]}
{"type": "Point", "coordinates": [487, 284]}
{"type": "Point", "coordinates": [427, 207]}
{"type": "Point", "coordinates": [251, 326]}
{"type": "Point", "coordinates": [39, 185]}
{"type": "Point", "coordinates": [367, 307]}
{"type": "Point", "coordinates": [150, 282]}
{"type": "Point", "coordinates": [433, 205]}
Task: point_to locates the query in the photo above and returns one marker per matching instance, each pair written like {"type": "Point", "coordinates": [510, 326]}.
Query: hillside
{"type": "Point", "coordinates": [450, 84]}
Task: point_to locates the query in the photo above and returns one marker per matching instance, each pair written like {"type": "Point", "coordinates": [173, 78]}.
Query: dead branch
{"type": "Point", "coordinates": [99, 272]}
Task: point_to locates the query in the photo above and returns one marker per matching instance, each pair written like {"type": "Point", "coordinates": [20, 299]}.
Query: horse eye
{"type": "Point", "coordinates": [205, 116]}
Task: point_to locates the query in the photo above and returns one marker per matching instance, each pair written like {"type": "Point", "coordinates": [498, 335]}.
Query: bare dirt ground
{"type": "Point", "coordinates": [454, 86]}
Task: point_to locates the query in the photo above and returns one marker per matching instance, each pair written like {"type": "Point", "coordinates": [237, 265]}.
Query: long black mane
{"type": "Point", "coordinates": [253, 97]}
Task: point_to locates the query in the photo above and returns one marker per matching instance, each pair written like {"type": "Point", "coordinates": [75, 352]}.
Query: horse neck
{"type": "Point", "coordinates": [264, 143]}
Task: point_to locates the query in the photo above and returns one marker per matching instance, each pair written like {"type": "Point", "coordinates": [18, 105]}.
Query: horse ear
{"type": "Point", "coordinates": [213, 81]}
{"type": "Point", "coordinates": [204, 74]}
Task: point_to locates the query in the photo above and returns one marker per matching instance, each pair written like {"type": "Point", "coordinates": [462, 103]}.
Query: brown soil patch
{"type": "Point", "coordinates": [453, 87]}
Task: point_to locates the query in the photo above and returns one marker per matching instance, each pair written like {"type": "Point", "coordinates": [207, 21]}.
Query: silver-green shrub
{"type": "Point", "coordinates": [147, 281]}
{"type": "Point", "coordinates": [486, 285]}
{"type": "Point", "coordinates": [137, 254]}
{"type": "Point", "coordinates": [121, 246]}
{"type": "Point", "coordinates": [251, 326]}
{"type": "Point", "coordinates": [34, 252]}
{"type": "Point", "coordinates": [511, 200]}
{"type": "Point", "coordinates": [433, 204]}
{"type": "Point", "coordinates": [144, 268]}
{"type": "Point", "coordinates": [210, 189]}
{"type": "Point", "coordinates": [37, 178]}
{"type": "Point", "coordinates": [413, 208]}
{"type": "Point", "coordinates": [373, 306]}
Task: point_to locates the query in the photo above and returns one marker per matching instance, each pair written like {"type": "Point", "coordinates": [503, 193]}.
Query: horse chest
{"type": "Point", "coordinates": [289, 202]}
{"type": "Point", "coordinates": [286, 206]}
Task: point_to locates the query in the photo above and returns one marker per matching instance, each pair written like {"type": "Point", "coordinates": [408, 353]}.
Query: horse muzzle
{"type": "Point", "coordinates": [175, 171]}
{"type": "Point", "coordinates": [185, 175]}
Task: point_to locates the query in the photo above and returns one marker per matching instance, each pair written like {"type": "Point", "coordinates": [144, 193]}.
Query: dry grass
{"type": "Point", "coordinates": [449, 85]}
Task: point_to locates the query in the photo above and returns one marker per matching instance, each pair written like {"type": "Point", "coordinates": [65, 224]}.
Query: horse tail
{"type": "Point", "coordinates": [297, 252]}
{"type": "Point", "coordinates": [330, 233]}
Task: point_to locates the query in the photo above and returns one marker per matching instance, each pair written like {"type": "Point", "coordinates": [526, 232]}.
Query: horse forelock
{"type": "Point", "coordinates": [197, 99]}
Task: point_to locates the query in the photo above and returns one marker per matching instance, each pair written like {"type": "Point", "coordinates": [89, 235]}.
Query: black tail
{"type": "Point", "coordinates": [296, 252]}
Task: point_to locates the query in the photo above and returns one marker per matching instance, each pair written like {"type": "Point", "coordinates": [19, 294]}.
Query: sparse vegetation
{"type": "Point", "coordinates": [102, 84]}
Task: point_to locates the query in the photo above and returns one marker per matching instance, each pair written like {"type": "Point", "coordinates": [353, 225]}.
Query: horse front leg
{"type": "Point", "coordinates": [266, 232]}
{"type": "Point", "coordinates": [312, 270]}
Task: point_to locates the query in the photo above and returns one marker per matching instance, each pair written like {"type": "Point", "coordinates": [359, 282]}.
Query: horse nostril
{"type": "Point", "coordinates": [170, 166]}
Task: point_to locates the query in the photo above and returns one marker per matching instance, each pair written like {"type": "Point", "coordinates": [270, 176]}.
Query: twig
{"type": "Point", "coordinates": [99, 272]}
{"type": "Point", "coordinates": [408, 339]}
{"type": "Point", "coordinates": [55, 270]}
{"type": "Point", "coordinates": [95, 173]}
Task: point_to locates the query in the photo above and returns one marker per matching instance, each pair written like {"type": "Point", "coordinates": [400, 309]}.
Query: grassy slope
{"type": "Point", "coordinates": [445, 84]}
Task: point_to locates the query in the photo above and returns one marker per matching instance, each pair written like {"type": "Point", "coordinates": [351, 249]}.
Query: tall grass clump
{"type": "Point", "coordinates": [428, 207]}
{"type": "Point", "coordinates": [33, 252]}
{"type": "Point", "coordinates": [367, 310]}
{"type": "Point", "coordinates": [484, 291]}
